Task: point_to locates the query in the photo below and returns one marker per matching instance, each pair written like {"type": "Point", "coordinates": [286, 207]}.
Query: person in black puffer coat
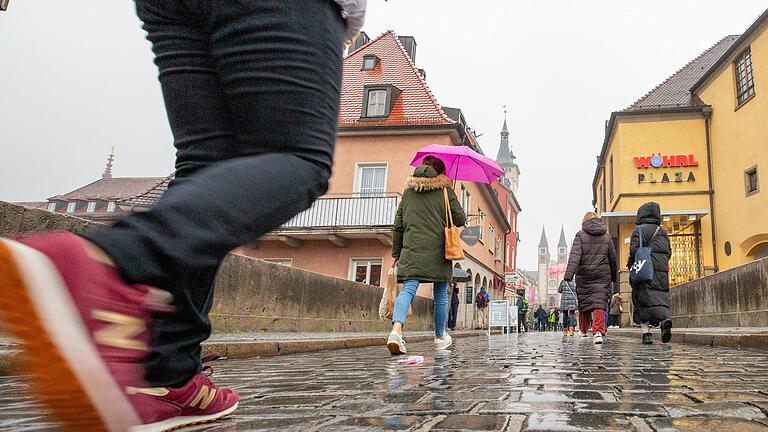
{"type": "Point", "coordinates": [650, 300]}
{"type": "Point", "coordinates": [593, 262]}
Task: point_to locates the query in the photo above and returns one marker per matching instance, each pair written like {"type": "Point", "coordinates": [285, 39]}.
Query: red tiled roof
{"type": "Point", "coordinates": [111, 189]}
{"type": "Point", "coordinates": [414, 106]}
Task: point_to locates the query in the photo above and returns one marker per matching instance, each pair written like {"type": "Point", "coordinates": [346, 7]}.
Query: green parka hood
{"type": "Point", "coordinates": [426, 179]}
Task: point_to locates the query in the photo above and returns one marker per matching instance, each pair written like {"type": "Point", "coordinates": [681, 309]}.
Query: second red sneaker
{"type": "Point", "coordinates": [198, 401]}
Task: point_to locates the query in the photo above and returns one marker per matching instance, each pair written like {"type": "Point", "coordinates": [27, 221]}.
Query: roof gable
{"type": "Point", "coordinates": [111, 189]}
{"type": "Point", "coordinates": [675, 91]}
{"type": "Point", "coordinates": [415, 105]}
{"type": "Point", "coordinates": [723, 59]}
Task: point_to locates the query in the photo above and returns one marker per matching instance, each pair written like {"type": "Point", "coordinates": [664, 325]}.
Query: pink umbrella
{"type": "Point", "coordinates": [462, 163]}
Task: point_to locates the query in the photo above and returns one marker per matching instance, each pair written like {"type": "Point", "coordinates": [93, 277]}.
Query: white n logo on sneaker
{"type": "Point", "coordinates": [204, 397]}
{"type": "Point", "coordinates": [121, 331]}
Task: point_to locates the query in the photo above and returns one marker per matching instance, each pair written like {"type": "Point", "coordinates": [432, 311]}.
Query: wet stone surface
{"type": "Point", "coordinates": [530, 382]}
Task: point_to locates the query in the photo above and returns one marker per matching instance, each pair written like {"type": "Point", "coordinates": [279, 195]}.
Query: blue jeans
{"type": "Point", "coordinates": [406, 296]}
{"type": "Point", "coordinates": [569, 318]}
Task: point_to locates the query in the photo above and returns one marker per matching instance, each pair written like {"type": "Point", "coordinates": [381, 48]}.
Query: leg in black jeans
{"type": "Point", "coordinates": [252, 94]}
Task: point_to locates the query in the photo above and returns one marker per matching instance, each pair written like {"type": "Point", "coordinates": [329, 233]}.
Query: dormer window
{"type": "Point", "coordinates": [369, 62]}
{"type": "Point", "coordinates": [378, 100]}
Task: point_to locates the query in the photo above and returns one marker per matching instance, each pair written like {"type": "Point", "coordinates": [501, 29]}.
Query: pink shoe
{"type": "Point", "coordinates": [83, 329]}
{"type": "Point", "coordinates": [198, 401]}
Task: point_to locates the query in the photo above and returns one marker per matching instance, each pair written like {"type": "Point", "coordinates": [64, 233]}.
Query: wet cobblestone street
{"type": "Point", "coordinates": [528, 382]}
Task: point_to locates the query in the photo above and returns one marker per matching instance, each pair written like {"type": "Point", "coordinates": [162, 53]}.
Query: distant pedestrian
{"type": "Point", "coordinates": [650, 298]}
{"type": "Point", "coordinates": [522, 312]}
{"type": "Point", "coordinates": [454, 311]}
{"type": "Point", "coordinates": [568, 304]}
{"type": "Point", "coordinates": [593, 263]}
{"type": "Point", "coordinates": [481, 302]}
{"type": "Point", "coordinates": [615, 311]}
{"type": "Point", "coordinates": [551, 318]}
{"type": "Point", "coordinates": [557, 319]}
{"type": "Point", "coordinates": [541, 319]}
{"type": "Point", "coordinates": [418, 247]}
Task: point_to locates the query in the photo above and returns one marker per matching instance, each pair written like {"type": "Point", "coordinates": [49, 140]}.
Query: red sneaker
{"type": "Point", "coordinates": [83, 329]}
{"type": "Point", "coordinates": [198, 401]}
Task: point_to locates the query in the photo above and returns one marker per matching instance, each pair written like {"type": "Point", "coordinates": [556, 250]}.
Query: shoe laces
{"type": "Point", "coordinates": [207, 369]}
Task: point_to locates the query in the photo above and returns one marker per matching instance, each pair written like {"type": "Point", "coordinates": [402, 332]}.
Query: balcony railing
{"type": "Point", "coordinates": [350, 210]}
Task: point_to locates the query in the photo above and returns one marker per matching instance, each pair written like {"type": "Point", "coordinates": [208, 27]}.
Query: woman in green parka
{"type": "Point", "coordinates": [418, 247]}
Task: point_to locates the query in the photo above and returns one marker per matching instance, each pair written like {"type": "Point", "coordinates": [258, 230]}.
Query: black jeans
{"type": "Point", "coordinates": [252, 91]}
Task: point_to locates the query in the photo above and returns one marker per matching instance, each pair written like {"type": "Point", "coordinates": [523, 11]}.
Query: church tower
{"type": "Point", "coordinates": [541, 290]}
{"type": "Point", "coordinates": [506, 159]}
{"type": "Point", "coordinates": [562, 248]}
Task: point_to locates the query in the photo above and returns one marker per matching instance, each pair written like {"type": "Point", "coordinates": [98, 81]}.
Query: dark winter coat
{"type": "Point", "coordinates": [419, 232]}
{"type": "Point", "coordinates": [650, 300]}
{"type": "Point", "coordinates": [593, 262]}
{"type": "Point", "coordinates": [541, 314]}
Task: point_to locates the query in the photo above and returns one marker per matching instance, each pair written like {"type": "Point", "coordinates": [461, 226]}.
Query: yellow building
{"type": "Point", "coordinates": [696, 145]}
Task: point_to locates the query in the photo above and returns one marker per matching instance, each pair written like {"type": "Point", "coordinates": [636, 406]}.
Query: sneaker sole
{"type": "Point", "coordinates": [183, 421]}
{"type": "Point", "coordinates": [666, 331]}
{"type": "Point", "coordinates": [394, 348]}
{"type": "Point", "coordinates": [66, 372]}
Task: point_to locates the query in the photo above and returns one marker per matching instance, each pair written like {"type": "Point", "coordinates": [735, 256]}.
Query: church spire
{"type": "Point", "coordinates": [562, 243]}
{"type": "Point", "coordinates": [505, 158]}
{"type": "Point", "coordinates": [110, 160]}
{"type": "Point", "coordinates": [543, 241]}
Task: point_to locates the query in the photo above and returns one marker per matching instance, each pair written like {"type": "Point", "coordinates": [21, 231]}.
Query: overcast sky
{"type": "Point", "coordinates": [77, 77]}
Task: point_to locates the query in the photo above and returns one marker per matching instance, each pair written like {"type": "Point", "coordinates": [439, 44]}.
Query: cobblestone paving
{"type": "Point", "coordinates": [530, 382]}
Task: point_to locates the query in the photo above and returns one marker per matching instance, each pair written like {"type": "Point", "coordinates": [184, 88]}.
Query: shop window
{"type": "Point", "coordinates": [751, 181]}
{"type": "Point", "coordinates": [367, 271]}
{"type": "Point", "coordinates": [745, 82]}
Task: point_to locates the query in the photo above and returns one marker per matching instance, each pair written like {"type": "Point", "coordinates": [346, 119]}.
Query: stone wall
{"type": "Point", "coordinates": [733, 298]}
{"type": "Point", "coordinates": [252, 295]}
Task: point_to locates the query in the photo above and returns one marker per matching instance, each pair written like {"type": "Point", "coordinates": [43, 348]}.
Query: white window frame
{"type": "Point", "coordinates": [481, 224]}
{"type": "Point", "coordinates": [91, 207]}
{"type": "Point", "coordinates": [377, 103]}
{"type": "Point", "coordinates": [370, 261]}
{"type": "Point", "coordinates": [71, 206]}
{"type": "Point", "coordinates": [51, 206]}
{"type": "Point", "coordinates": [288, 262]}
{"type": "Point", "coordinates": [111, 207]}
{"type": "Point", "coordinates": [466, 199]}
{"type": "Point", "coordinates": [360, 166]}
{"type": "Point", "coordinates": [491, 237]}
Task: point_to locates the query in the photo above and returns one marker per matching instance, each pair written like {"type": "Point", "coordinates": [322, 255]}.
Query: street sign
{"type": "Point", "coordinates": [470, 235]}
{"type": "Point", "coordinates": [510, 278]}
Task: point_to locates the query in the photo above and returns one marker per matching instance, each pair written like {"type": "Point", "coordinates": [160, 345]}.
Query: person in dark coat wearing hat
{"type": "Point", "coordinates": [454, 310]}
{"type": "Point", "coordinates": [650, 300]}
{"type": "Point", "coordinates": [593, 263]}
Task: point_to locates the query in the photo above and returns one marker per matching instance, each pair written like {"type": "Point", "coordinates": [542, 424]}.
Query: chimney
{"type": "Point", "coordinates": [409, 43]}
{"type": "Point", "coordinates": [359, 41]}
{"type": "Point", "coordinates": [423, 74]}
